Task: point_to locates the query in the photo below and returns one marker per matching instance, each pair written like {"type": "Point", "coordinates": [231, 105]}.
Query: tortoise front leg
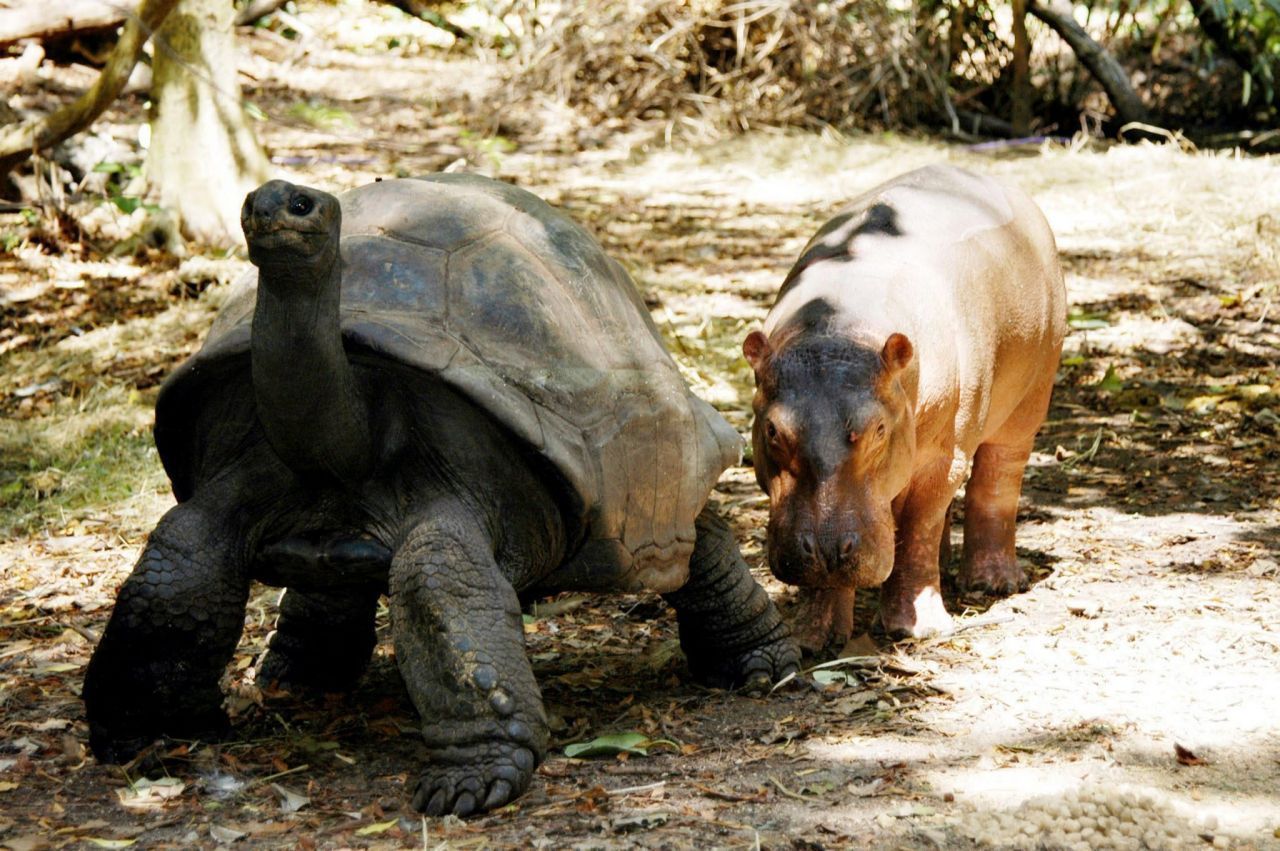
{"type": "Point", "coordinates": [459, 641]}
{"type": "Point", "coordinates": [729, 629]}
{"type": "Point", "coordinates": [175, 625]}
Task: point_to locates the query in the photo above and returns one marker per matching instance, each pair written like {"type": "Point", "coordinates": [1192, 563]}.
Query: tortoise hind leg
{"type": "Point", "coordinates": [173, 630]}
{"type": "Point", "coordinates": [323, 639]}
{"type": "Point", "coordinates": [729, 629]}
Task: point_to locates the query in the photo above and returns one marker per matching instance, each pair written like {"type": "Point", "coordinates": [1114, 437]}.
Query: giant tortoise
{"type": "Point", "coordinates": [443, 390]}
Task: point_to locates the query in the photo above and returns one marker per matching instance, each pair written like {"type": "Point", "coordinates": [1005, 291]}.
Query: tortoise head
{"type": "Point", "coordinates": [291, 227]}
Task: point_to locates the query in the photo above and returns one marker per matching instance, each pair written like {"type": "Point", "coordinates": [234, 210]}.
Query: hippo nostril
{"type": "Point", "coordinates": [808, 544]}
{"type": "Point", "coordinates": [847, 545]}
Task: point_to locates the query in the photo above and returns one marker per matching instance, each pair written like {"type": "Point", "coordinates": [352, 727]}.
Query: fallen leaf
{"type": "Point", "coordinates": [290, 801]}
{"type": "Point", "coordinates": [643, 821]}
{"type": "Point", "coordinates": [7, 785]}
{"type": "Point", "coordinates": [828, 678]}
{"type": "Point", "coordinates": [1186, 757]}
{"type": "Point", "coordinates": [150, 794]}
{"type": "Point", "coordinates": [225, 835]}
{"type": "Point", "coordinates": [110, 843]}
{"type": "Point", "coordinates": [858, 646]}
{"type": "Point", "coordinates": [377, 828]}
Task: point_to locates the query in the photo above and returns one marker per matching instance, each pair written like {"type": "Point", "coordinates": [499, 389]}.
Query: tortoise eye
{"type": "Point", "coordinates": [300, 205]}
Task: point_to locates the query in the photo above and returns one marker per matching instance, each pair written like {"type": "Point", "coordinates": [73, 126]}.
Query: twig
{"type": "Point", "coordinates": [729, 796]}
{"type": "Point", "coordinates": [253, 784]}
{"type": "Point", "coordinates": [798, 796]}
{"type": "Point", "coordinates": [981, 622]}
{"type": "Point", "coordinates": [648, 787]}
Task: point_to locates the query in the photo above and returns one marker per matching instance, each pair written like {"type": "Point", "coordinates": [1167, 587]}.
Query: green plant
{"type": "Point", "coordinates": [121, 175]}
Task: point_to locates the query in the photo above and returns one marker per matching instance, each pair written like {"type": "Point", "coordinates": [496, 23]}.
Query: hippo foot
{"type": "Point", "coordinates": [825, 616]}
{"type": "Point", "coordinates": [498, 773]}
{"type": "Point", "coordinates": [995, 574]}
{"type": "Point", "coordinates": [922, 617]}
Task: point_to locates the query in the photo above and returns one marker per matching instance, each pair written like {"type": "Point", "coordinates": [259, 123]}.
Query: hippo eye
{"type": "Point", "coordinates": [300, 205]}
{"type": "Point", "coordinates": [771, 431]}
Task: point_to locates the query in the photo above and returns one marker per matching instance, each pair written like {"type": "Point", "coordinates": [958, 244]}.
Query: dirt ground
{"type": "Point", "coordinates": [1144, 659]}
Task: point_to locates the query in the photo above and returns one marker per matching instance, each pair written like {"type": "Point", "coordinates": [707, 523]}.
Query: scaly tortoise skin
{"type": "Point", "coordinates": [440, 389]}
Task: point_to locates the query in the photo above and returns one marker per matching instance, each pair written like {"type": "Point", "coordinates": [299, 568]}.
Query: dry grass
{"type": "Point", "coordinates": [708, 65]}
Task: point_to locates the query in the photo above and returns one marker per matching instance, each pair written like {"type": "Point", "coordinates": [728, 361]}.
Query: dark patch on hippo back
{"type": "Point", "coordinates": [835, 240]}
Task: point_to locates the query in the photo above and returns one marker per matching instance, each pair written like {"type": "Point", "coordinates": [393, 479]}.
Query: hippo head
{"type": "Point", "coordinates": [833, 441]}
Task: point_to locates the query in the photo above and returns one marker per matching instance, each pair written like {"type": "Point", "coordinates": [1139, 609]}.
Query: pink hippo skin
{"type": "Point", "coordinates": [916, 337]}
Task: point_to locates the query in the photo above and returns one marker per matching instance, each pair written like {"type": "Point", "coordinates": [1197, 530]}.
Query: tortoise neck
{"type": "Point", "coordinates": [308, 397]}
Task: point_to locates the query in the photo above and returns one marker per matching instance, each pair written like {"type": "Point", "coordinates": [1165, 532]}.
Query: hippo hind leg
{"type": "Point", "coordinates": [990, 562]}
{"type": "Point", "coordinates": [729, 629]}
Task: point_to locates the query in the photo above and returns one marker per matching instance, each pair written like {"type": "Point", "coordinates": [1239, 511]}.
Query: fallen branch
{"type": "Point", "coordinates": [19, 142]}
{"type": "Point", "coordinates": [1102, 65]}
{"type": "Point", "coordinates": [45, 21]}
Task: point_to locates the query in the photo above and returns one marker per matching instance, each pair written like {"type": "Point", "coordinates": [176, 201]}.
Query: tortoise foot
{"type": "Point", "coordinates": [754, 671]}
{"type": "Point", "coordinates": [497, 774]}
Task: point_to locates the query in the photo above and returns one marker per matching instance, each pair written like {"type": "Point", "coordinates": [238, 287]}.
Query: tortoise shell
{"type": "Point", "coordinates": [488, 288]}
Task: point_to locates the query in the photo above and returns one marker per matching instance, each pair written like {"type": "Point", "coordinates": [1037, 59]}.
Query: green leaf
{"type": "Point", "coordinates": [108, 168]}
{"type": "Point", "coordinates": [613, 744]}
{"type": "Point", "coordinates": [126, 203]}
{"type": "Point", "coordinates": [827, 678]}
{"type": "Point", "coordinates": [1110, 382]}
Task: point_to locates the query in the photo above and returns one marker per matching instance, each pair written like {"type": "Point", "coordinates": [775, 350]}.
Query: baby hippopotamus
{"type": "Point", "coordinates": [917, 335]}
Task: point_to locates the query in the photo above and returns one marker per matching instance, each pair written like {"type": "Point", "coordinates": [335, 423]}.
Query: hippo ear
{"type": "Point", "coordinates": [756, 349]}
{"type": "Point", "coordinates": [897, 353]}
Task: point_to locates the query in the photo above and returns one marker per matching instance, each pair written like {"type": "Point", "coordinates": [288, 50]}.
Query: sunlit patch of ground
{"type": "Point", "coordinates": [1151, 521]}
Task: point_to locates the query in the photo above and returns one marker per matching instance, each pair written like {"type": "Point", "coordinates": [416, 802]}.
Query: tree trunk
{"type": "Point", "coordinates": [18, 142]}
{"type": "Point", "coordinates": [203, 156]}
{"type": "Point", "coordinates": [1093, 56]}
{"type": "Point", "coordinates": [1021, 71]}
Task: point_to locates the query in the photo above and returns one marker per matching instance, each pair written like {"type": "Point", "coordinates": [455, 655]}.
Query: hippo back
{"type": "Point", "coordinates": [491, 290]}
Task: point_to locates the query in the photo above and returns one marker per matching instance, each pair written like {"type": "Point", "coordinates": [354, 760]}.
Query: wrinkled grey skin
{"type": "Point", "coordinates": [343, 475]}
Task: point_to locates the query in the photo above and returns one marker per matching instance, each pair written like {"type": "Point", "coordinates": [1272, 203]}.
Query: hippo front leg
{"type": "Point", "coordinates": [729, 629]}
{"type": "Point", "coordinates": [459, 640]}
{"type": "Point", "coordinates": [911, 598]}
{"type": "Point", "coordinates": [176, 623]}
